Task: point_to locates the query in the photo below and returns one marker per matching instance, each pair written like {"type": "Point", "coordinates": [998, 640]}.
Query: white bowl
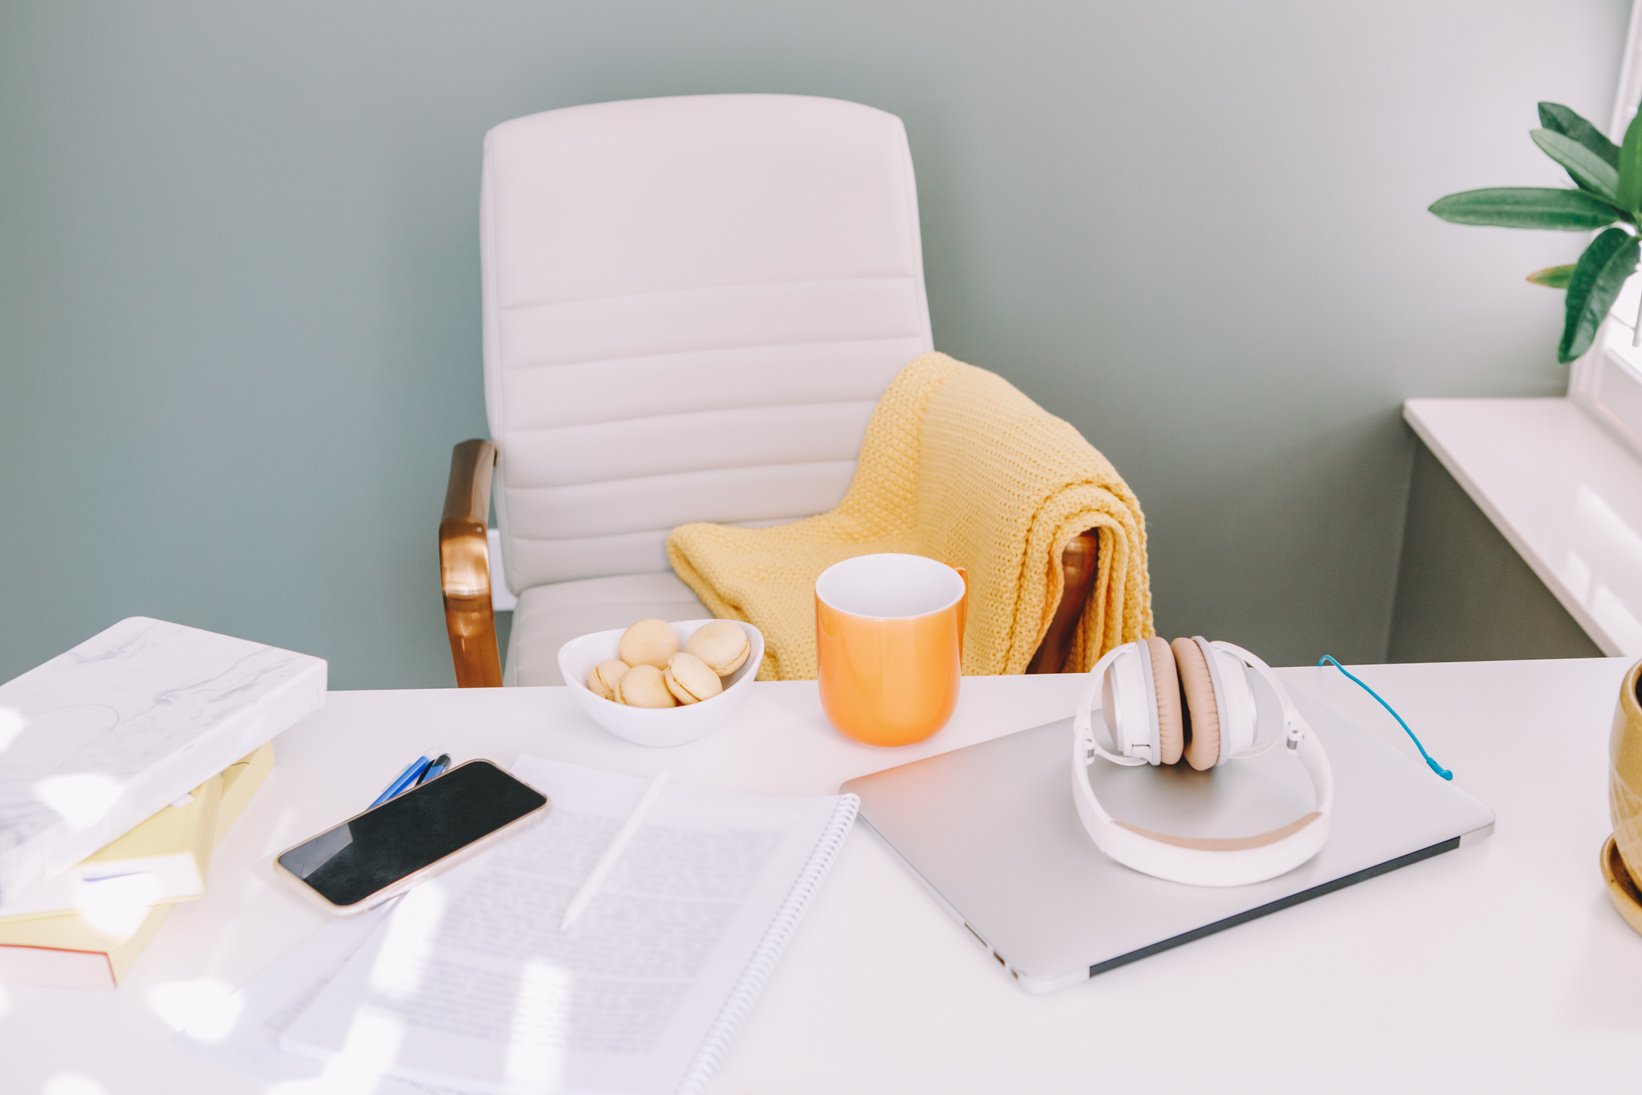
{"type": "Point", "coordinates": [658, 726]}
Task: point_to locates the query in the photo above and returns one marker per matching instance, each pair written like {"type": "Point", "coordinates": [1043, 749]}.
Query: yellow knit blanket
{"type": "Point", "coordinates": [960, 466]}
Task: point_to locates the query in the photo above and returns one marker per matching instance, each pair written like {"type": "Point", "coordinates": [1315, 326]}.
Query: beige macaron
{"type": "Point", "coordinates": [602, 681]}
{"type": "Point", "coordinates": [690, 680]}
{"type": "Point", "coordinates": [643, 686]}
{"type": "Point", "coordinates": [722, 644]}
{"type": "Point", "coordinates": [648, 642]}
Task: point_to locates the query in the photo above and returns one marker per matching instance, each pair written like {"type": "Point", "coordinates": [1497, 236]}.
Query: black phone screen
{"type": "Point", "coordinates": [360, 857]}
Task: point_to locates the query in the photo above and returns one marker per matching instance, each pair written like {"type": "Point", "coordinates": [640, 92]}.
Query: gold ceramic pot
{"type": "Point", "coordinates": [1622, 855]}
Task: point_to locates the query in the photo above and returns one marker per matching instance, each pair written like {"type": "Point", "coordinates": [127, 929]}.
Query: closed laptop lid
{"type": "Point", "coordinates": [992, 829]}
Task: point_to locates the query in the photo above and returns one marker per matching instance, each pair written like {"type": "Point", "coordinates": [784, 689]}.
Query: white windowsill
{"type": "Point", "coordinates": [1563, 492]}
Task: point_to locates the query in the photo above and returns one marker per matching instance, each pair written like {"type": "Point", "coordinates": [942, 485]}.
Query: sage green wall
{"type": "Point", "coordinates": [1463, 592]}
{"type": "Point", "coordinates": [239, 290]}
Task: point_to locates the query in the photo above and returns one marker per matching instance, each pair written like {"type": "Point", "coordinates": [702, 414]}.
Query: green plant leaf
{"type": "Point", "coordinates": [1527, 207]}
{"type": "Point", "coordinates": [1559, 119]}
{"type": "Point", "coordinates": [1553, 277]}
{"type": "Point", "coordinates": [1597, 278]}
{"type": "Point", "coordinates": [1585, 167]}
{"type": "Point", "coordinates": [1630, 167]}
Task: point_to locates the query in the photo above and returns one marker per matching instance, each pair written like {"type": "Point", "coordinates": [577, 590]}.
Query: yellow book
{"type": "Point", "coordinates": [162, 860]}
{"type": "Point", "coordinates": [240, 781]}
{"type": "Point", "coordinates": [97, 945]}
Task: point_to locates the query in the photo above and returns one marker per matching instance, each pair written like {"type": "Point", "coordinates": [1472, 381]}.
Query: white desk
{"type": "Point", "coordinates": [1496, 967]}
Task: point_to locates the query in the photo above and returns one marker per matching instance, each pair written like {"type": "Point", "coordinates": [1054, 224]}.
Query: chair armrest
{"type": "Point", "coordinates": [464, 566]}
{"type": "Point", "coordinates": [1077, 563]}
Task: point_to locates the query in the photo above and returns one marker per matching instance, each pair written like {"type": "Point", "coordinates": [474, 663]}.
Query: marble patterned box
{"type": "Point", "coordinates": [99, 738]}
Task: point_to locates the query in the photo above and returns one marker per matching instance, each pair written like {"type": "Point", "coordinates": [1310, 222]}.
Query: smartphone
{"type": "Point", "coordinates": [389, 848]}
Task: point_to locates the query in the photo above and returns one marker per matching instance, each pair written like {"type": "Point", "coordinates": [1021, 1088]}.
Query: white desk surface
{"type": "Point", "coordinates": [1496, 967]}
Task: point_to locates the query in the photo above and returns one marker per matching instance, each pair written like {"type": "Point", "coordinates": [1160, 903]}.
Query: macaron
{"type": "Point", "coordinates": [602, 681]}
{"type": "Point", "coordinates": [643, 686]}
{"type": "Point", "coordinates": [648, 642]}
{"type": "Point", "coordinates": [722, 644]}
{"type": "Point", "coordinates": [690, 680]}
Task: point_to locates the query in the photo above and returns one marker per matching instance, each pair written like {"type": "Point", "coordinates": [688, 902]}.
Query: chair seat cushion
{"type": "Point", "coordinates": [548, 616]}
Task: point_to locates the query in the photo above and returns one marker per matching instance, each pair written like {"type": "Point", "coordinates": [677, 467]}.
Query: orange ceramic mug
{"type": "Point", "coordinates": [889, 632]}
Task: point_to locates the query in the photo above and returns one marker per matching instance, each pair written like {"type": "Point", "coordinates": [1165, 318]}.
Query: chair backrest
{"type": "Point", "coordinates": [690, 308]}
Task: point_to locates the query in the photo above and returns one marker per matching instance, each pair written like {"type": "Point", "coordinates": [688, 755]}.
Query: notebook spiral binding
{"type": "Point", "coordinates": [735, 1009]}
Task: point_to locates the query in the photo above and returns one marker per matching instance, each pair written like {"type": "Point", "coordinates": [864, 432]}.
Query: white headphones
{"type": "Point", "coordinates": [1203, 701]}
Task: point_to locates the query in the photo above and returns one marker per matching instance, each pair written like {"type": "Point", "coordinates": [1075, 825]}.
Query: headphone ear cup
{"type": "Point", "coordinates": [1203, 750]}
{"type": "Point", "coordinates": [1171, 730]}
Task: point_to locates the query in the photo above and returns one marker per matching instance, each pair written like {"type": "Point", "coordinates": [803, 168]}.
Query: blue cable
{"type": "Point", "coordinates": [1429, 760]}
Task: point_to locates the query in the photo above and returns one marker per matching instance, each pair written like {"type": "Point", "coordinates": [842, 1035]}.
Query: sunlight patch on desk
{"type": "Point", "coordinates": [370, 1048]}
{"type": "Point", "coordinates": [11, 725]}
{"type": "Point", "coordinates": [117, 907]}
{"type": "Point", "coordinates": [545, 990]}
{"type": "Point", "coordinates": [290, 825]}
{"type": "Point", "coordinates": [81, 799]}
{"type": "Point", "coordinates": [207, 1009]}
{"type": "Point", "coordinates": [73, 1083]}
{"type": "Point", "coordinates": [411, 935]}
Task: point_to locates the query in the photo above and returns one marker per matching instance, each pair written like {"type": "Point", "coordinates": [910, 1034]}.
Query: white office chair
{"type": "Point", "coordinates": [691, 306]}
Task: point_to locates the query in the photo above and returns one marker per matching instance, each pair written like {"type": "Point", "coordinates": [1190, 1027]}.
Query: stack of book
{"type": "Point", "coordinates": [85, 927]}
{"type": "Point", "coordinates": [123, 762]}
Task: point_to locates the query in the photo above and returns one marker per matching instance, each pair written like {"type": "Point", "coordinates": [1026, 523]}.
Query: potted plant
{"type": "Point", "coordinates": [1607, 194]}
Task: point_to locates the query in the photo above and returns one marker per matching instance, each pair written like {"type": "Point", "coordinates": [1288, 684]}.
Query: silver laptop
{"type": "Point", "coordinates": [993, 831]}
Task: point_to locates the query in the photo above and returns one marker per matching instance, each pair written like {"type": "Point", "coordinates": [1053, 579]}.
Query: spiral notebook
{"type": "Point", "coordinates": [469, 984]}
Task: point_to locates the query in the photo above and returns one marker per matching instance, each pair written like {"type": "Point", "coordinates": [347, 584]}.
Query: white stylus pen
{"type": "Point", "coordinates": [618, 844]}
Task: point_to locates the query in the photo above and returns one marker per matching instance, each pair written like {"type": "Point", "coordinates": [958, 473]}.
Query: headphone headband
{"type": "Point", "coordinates": [1214, 861]}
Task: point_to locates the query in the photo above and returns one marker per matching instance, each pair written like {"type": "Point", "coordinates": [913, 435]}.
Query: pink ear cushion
{"type": "Point", "coordinates": [1171, 734]}
{"type": "Point", "coordinates": [1203, 751]}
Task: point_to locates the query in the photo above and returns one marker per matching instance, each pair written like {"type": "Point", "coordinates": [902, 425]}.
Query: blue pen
{"type": "Point", "coordinates": [406, 779]}
{"type": "Point", "coordinates": [435, 770]}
